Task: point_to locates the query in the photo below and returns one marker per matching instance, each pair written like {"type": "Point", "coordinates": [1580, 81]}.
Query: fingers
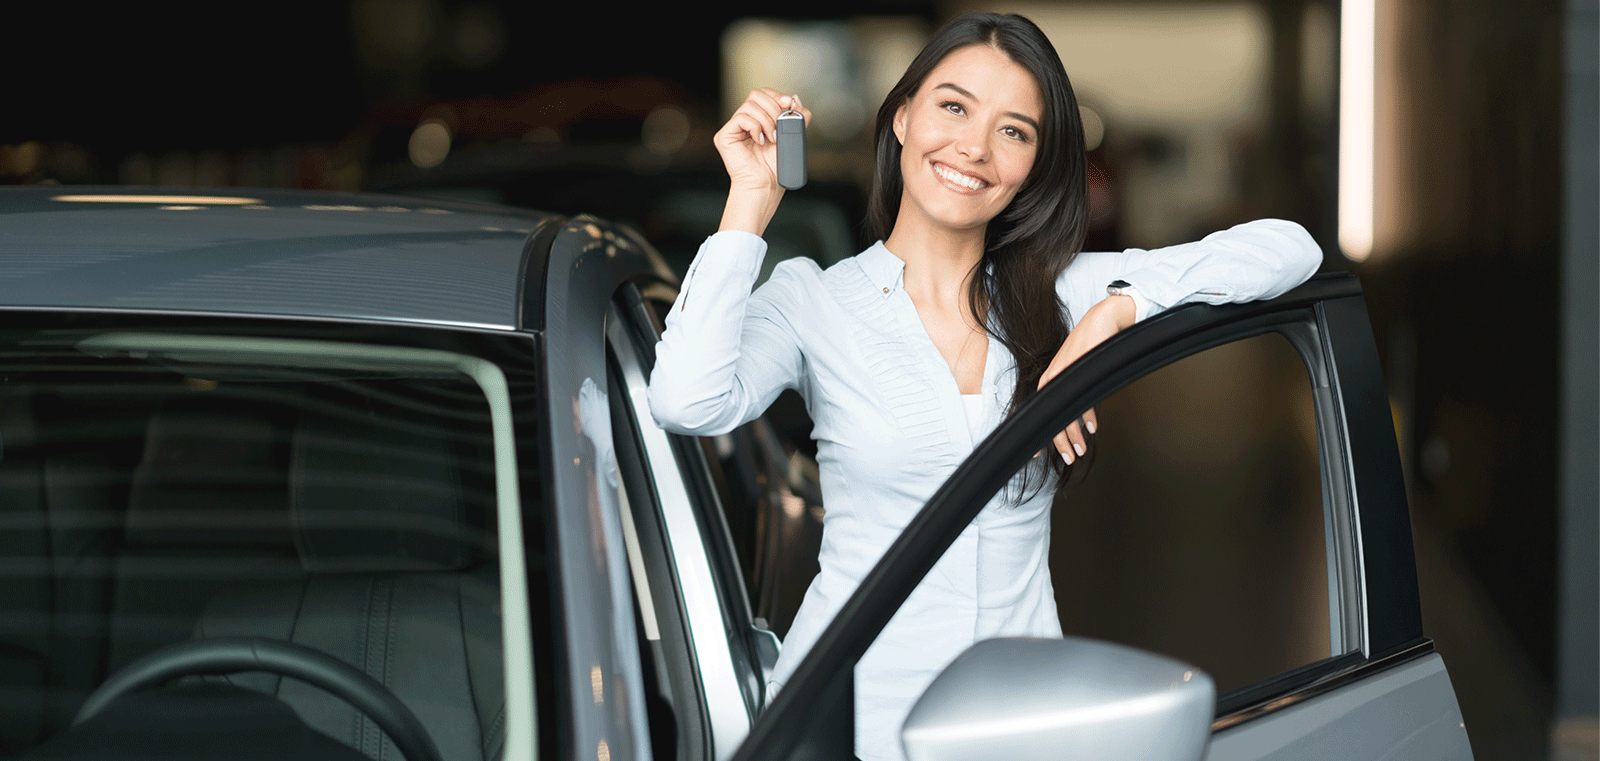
{"type": "Point", "coordinates": [764, 105]}
{"type": "Point", "coordinates": [1064, 447]}
{"type": "Point", "coordinates": [764, 120]}
{"type": "Point", "coordinates": [1070, 443]}
{"type": "Point", "coordinates": [1073, 442]}
{"type": "Point", "coordinates": [793, 103]}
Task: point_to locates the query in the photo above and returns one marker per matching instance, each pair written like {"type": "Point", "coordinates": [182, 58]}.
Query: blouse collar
{"type": "Point", "coordinates": [883, 268]}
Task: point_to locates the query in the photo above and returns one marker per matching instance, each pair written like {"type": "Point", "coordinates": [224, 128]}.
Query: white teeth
{"type": "Point", "coordinates": [958, 178]}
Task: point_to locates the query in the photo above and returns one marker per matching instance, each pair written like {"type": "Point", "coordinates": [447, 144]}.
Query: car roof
{"type": "Point", "coordinates": [345, 256]}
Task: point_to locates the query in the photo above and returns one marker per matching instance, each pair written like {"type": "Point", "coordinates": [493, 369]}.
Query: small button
{"type": "Point", "coordinates": [886, 290]}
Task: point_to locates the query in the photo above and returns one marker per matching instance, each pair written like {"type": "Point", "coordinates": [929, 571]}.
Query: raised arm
{"type": "Point", "coordinates": [1255, 260]}
{"type": "Point", "coordinates": [726, 354]}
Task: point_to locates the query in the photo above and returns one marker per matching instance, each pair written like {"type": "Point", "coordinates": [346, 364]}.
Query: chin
{"type": "Point", "coordinates": [954, 218]}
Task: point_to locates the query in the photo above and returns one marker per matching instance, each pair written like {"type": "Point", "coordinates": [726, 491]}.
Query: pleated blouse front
{"type": "Point", "coordinates": [891, 426]}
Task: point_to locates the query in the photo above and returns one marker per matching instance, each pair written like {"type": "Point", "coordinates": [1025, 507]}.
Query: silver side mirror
{"type": "Point", "coordinates": [1055, 699]}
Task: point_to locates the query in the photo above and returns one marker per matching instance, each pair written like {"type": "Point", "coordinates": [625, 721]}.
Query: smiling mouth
{"type": "Point", "coordinates": [962, 181]}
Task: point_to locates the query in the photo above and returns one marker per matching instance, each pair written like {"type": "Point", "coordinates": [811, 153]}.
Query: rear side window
{"type": "Point", "coordinates": [150, 499]}
{"type": "Point", "coordinates": [1199, 530]}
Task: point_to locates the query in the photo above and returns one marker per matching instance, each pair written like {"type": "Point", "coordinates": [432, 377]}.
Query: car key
{"type": "Point", "coordinates": [792, 149]}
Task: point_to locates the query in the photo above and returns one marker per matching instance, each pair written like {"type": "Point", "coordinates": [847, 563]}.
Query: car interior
{"type": "Point", "coordinates": [143, 506]}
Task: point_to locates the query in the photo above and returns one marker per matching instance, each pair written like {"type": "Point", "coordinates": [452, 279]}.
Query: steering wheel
{"type": "Point", "coordinates": [229, 655]}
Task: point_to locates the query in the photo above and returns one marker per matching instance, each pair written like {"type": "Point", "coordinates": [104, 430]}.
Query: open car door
{"type": "Point", "coordinates": [1363, 682]}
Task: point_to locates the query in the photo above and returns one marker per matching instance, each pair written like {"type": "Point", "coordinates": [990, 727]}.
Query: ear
{"type": "Point", "coordinates": [899, 122]}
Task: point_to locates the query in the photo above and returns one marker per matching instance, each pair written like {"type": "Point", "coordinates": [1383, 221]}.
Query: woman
{"type": "Point", "coordinates": [910, 352]}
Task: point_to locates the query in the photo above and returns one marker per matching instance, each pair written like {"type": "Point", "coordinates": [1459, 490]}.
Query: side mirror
{"type": "Point", "coordinates": [1069, 698]}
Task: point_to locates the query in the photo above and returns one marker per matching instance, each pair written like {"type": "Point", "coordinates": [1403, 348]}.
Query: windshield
{"type": "Point", "coordinates": [163, 490]}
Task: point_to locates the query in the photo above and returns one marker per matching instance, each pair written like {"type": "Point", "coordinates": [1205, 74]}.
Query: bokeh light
{"type": "Point", "coordinates": [430, 143]}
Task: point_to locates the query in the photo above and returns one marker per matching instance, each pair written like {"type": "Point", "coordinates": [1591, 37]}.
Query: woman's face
{"type": "Point", "coordinates": [968, 137]}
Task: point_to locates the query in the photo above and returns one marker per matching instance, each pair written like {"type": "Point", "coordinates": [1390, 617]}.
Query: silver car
{"type": "Point", "coordinates": [296, 475]}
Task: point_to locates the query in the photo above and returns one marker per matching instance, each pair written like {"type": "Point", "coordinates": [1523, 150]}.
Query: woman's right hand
{"type": "Point", "coordinates": [749, 150]}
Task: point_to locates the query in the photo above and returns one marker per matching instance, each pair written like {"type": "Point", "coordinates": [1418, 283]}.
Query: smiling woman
{"type": "Point", "coordinates": [975, 147]}
{"type": "Point", "coordinates": [979, 194]}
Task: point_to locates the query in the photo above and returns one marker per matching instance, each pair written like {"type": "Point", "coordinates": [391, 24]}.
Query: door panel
{"type": "Point", "coordinates": [1406, 712]}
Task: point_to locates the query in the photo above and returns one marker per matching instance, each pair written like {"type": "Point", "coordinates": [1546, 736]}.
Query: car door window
{"type": "Point", "coordinates": [1369, 590]}
{"type": "Point", "coordinates": [1199, 531]}
{"type": "Point", "coordinates": [700, 613]}
{"type": "Point", "coordinates": [675, 702]}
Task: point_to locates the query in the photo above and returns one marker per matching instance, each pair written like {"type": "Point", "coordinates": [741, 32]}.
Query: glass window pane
{"type": "Point", "coordinates": [1199, 530]}
{"type": "Point", "coordinates": [147, 501]}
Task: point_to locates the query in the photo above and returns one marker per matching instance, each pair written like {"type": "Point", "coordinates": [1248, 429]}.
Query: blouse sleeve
{"type": "Point", "coordinates": [726, 354]}
{"type": "Point", "coordinates": [1255, 260]}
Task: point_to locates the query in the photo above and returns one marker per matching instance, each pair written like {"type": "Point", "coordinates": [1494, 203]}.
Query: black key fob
{"type": "Point", "coordinates": [792, 150]}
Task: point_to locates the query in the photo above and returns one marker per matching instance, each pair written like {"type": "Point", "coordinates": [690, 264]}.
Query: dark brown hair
{"type": "Point", "coordinates": [1036, 236]}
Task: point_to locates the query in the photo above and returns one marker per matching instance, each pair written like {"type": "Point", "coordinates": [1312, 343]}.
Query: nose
{"type": "Point", "coordinates": [973, 143]}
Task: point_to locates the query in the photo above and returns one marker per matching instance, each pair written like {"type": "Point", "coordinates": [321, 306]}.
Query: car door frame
{"type": "Point", "coordinates": [1373, 587]}
{"type": "Point", "coordinates": [711, 592]}
{"type": "Point", "coordinates": [597, 649]}
{"type": "Point", "coordinates": [588, 287]}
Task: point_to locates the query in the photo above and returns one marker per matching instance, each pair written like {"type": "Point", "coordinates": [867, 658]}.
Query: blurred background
{"type": "Point", "coordinates": [1444, 150]}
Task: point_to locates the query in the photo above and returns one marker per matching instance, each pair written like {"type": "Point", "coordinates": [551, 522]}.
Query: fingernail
{"type": "Point", "coordinates": [1089, 424]}
{"type": "Point", "coordinates": [1067, 456]}
{"type": "Point", "coordinates": [1078, 448]}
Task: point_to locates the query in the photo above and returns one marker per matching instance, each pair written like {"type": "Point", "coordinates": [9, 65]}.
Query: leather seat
{"type": "Point", "coordinates": [208, 508]}
{"type": "Point", "coordinates": [25, 595]}
{"type": "Point", "coordinates": [399, 581]}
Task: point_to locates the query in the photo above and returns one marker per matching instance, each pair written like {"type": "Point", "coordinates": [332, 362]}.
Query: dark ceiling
{"type": "Point", "coordinates": [216, 77]}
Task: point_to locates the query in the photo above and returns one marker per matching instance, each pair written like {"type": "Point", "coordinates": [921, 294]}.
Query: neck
{"type": "Point", "coordinates": [940, 261]}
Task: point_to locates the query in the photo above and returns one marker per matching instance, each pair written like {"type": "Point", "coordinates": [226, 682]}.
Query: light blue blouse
{"type": "Point", "coordinates": [891, 427]}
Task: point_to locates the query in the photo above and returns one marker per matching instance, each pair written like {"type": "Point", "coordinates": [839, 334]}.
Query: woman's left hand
{"type": "Point", "coordinates": [1102, 321]}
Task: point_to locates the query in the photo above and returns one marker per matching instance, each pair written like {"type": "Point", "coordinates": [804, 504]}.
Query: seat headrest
{"type": "Point", "coordinates": [212, 474]}
{"type": "Point", "coordinates": [372, 496]}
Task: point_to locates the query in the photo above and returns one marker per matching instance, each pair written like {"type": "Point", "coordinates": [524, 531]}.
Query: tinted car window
{"type": "Point", "coordinates": [674, 702]}
{"type": "Point", "coordinates": [1199, 530]}
{"type": "Point", "coordinates": [148, 500]}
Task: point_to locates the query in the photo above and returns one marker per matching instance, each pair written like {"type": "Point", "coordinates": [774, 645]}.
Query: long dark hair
{"type": "Point", "coordinates": [1033, 239]}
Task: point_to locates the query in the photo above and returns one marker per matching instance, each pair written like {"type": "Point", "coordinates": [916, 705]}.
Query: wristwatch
{"type": "Point", "coordinates": [1141, 305]}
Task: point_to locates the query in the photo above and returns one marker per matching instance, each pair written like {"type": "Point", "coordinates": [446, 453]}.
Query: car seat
{"type": "Point", "coordinates": [208, 508]}
{"type": "Point", "coordinates": [25, 595]}
{"type": "Point", "coordinates": [400, 581]}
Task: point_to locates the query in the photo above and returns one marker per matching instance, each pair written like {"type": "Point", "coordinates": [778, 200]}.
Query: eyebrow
{"type": "Point", "coordinates": [1012, 114]}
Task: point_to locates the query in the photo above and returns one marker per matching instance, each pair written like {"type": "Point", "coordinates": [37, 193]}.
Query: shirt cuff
{"type": "Point", "coordinates": [1158, 292]}
{"type": "Point", "coordinates": [732, 249]}
{"type": "Point", "coordinates": [1141, 305]}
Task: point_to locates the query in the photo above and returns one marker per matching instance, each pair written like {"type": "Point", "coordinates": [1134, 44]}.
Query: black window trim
{"type": "Point", "coordinates": [638, 480]}
{"type": "Point", "coordinates": [691, 453]}
{"type": "Point", "coordinates": [629, 323]}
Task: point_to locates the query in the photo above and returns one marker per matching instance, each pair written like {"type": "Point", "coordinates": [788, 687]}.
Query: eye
{"type": "Point", "coordinates": [953, 107]}
{"type": "Point", "coordinates": [1014, 133]}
